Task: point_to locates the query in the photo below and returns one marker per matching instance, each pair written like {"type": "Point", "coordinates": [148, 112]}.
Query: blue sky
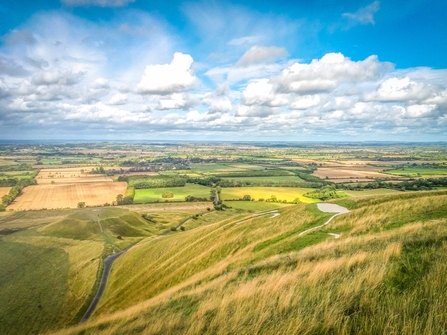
{"type": "Point", "coordinates": [222, 70]}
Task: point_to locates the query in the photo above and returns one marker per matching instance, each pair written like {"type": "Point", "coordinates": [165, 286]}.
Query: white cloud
{"type": "Point", "coordinates": [306, 102]}
{"type": "Point", "coordinates": [168, 78]}
{"type": "Point", "coordinates": [246, 40]}
{"type": "Point", "coordinates": [57, 77]}
{"type": "Point", "coordinates": [364, 15]}
{"type": "Point", "coordinates": [262, 92]}
{"type": "Point", "coordinates": [399, 89]}
{"type": "Point", "coordinates": [419, 111]}
{"type": "Point", "coordinates": [176, 101]}
{"type": "Point", "coordinates": [260, 54]}
{"type": "Point", "coordinates": [328, 72]}
{"type": "Point", "coordinates": [118, 99]}
{"type": "Point", "coordinates": [101, 3]}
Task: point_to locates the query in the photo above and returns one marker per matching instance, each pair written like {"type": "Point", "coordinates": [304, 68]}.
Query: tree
{"type": "Point", "coordinates": [119, 199]}
{"type": "Point", "coordinates": [167, 195]}
{"type": "Point", "coordinates": [246, 197]}
{"type": "Point", "coordinates": [81, 204]}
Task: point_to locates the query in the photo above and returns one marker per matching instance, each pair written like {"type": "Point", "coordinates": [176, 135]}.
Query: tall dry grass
{"type": "Point", "coordinates": [385, 275]}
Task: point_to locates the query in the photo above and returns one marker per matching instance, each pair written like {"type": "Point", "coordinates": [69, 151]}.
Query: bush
{"type": "Point", "coordinates": [81, 204]}
{"type": "Point", "coordinates": [167, 195]}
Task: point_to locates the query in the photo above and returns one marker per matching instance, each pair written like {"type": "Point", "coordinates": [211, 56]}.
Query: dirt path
{"type": "Point", "coordinates": [328, 208]}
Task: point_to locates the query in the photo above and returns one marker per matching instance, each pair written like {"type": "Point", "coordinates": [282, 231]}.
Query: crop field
{"type": "Point", "coordinates": [155, 194]}
{"type": "Point", "coordinates": [272, 179]}
{"type": "Point", "coordinates": [418, 171]}
{"type": "Point", "coordinates": [217, 168]}
{"type": "Point", "coordinates": [4, 191]}
{"type": "Point", "coordinates": [69, 176]}
{"type": "Point", "coordinates": [338, 174]}
{"type": "Point", "coordinates": [67, 195]}
{"type": "Point", "coordinates": [281, 193]}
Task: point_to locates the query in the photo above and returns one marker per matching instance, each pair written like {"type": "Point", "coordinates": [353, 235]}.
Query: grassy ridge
{"type": "Point", "coordinates": [257, 276]}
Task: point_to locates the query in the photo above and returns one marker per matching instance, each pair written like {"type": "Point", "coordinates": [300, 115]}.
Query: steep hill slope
{"type": "Point", "coordinates": [256, 275]}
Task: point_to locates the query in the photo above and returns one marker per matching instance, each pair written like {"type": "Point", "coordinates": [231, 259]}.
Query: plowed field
{"type": "Point", "coordinates": [63, 196]}
{"type": "Point", "coordinates": [335, 174]}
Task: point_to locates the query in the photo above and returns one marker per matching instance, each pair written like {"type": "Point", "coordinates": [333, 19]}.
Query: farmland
{"type": "Point", "coordinates": [68, 176]}
{"type": "Point", "coordinates": [245, 264]}
{"type": "Point", "coordinates": [63, 196]}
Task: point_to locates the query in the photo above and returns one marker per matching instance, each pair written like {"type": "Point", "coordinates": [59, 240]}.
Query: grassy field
{"type": "Point", "coordinates": [273, 179]}
{"type": "Point", "coordinates": [155, 194]}
{"type": "Point", "coordinates": [50, 259]}
{"type": "Point", "coordinates": [415, 171]}
{"type": "Point", "coordinates": [258, 276]}
{"type": "Point", "coordinates": [217, 168]}
{"type": "Point", "coordinates": [281, 193]}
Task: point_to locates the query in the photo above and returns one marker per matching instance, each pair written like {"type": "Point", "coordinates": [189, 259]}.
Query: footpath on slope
{"type": "Point", "coordinates": [328, 208]}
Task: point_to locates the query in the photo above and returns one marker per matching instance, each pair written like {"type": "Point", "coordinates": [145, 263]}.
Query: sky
{"type": "Point", "coordinates": [364, 70]}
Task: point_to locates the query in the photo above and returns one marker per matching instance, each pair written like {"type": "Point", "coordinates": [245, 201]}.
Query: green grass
{"type": "Point", "coordinates": [272, 179]}
{"type": "Point", "coordinates": [281, 193]}
{"type": "Point", "coordinates": [155, 194]}
{"type": "Point", "coordinates": [415, 171]}
{"type": "Point", "coordinates": [33, 286]}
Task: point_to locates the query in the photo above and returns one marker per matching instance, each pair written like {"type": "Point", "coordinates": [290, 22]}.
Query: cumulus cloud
{"type": "Point", "coordinates": [260, 54]}
{"type": "Point", "coordinates": [57, 76]}
{"type": "Point", "coordinates": [100, 3]}
{"type": "Point", "coordinates": [399, 89]}
{"type": "Point", "coordinates": [176, 101]}
{"type": "Point", "coordinates": [364, 15]}
{"type": "Point", "coordinates": [262, 92]}
{"type": "Point", "coordinates": [326, 73]}
{"type": "Point", "coordinates": [306, 102]}
{"type": "Point", "coordinates": [118, 99]}
{"type": "Point", "coordinates": [170, 78]}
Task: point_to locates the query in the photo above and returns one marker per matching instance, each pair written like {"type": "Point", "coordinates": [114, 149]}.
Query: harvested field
{"type": "Point", "coordinates": [335, 173]}
{"type": "Point", "coordinates": [4, 191]}
{"type": "Point", "coordinates": [63, 196]}
{"type": "Point", "coordinates": [69, 176]}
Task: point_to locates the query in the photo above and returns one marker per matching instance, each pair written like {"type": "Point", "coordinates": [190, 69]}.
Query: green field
{"type": "Point", "coordinates": [155, 194]}
{"type": "Point", "coordinates": [416, 171]}
{"type": "Point", "coordinates": [272, 179]}
{"type": "Point", "coordinates": [281, 193]}
{"type": "Point", "coordinates": [220, 167]}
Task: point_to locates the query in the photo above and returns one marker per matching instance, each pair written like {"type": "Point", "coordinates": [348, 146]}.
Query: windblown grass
{"type": "Point", "coordinates": [253, 275]}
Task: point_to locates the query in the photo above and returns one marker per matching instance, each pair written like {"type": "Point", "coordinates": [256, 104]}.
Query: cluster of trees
{"type": "Point", "coordinates": [324, 193]}
{"type": "Point", "coordinates": [142, 182]}
{"type": "Point", "coordinates": [15, 191]}
{"type": "Point", "coordinates": [191, 198]}
{"type": "Point", "coordinates": [127, 198]}
{"type": "Point", "coordinates": [19, 167]}
{"type": "Point", "coordinates": [167, 195]}
{"type": "Point", "coordinates": [410, 185]}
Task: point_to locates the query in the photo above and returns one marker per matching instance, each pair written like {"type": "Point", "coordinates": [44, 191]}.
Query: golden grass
{"type": "Point", "coordinates": [211, 280]}
{"type": "Point", "coordinates": [67, 195]}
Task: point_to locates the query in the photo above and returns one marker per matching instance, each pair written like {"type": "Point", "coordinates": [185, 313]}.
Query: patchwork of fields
{"type": "Point", "coordinates": [336, 174]}
{"type": "Point", "coordinates": [63, 196]}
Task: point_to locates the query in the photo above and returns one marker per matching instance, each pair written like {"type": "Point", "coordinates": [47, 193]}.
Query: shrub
{"type": "Point", "coordinates": [167, 195]}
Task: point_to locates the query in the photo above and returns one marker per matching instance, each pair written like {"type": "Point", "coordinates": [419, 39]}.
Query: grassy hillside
{"type": "Point", "coordinates": [242, 274]}
{"type": "Point", "coordinates": [51, 260]}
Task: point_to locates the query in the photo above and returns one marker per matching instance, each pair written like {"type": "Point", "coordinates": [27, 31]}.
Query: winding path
{"type": "Point", "coordinates": [102, 285]}
{"type": "Point", "coordinates": [328, 208]}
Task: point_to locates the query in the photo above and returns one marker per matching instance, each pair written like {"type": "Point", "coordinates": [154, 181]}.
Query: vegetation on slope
{"type": "Point", "coordinates": [385, 274]}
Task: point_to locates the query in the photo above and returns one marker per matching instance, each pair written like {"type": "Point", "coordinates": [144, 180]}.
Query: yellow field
{"type": "Point", "coordinates": [63, 196]}
{"type": "Point", "coordinates": [4, 191]}
{"type": "Point", "coordinates": [281, 193]}
{"type": "Point", "coordinates": [69, 176]}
